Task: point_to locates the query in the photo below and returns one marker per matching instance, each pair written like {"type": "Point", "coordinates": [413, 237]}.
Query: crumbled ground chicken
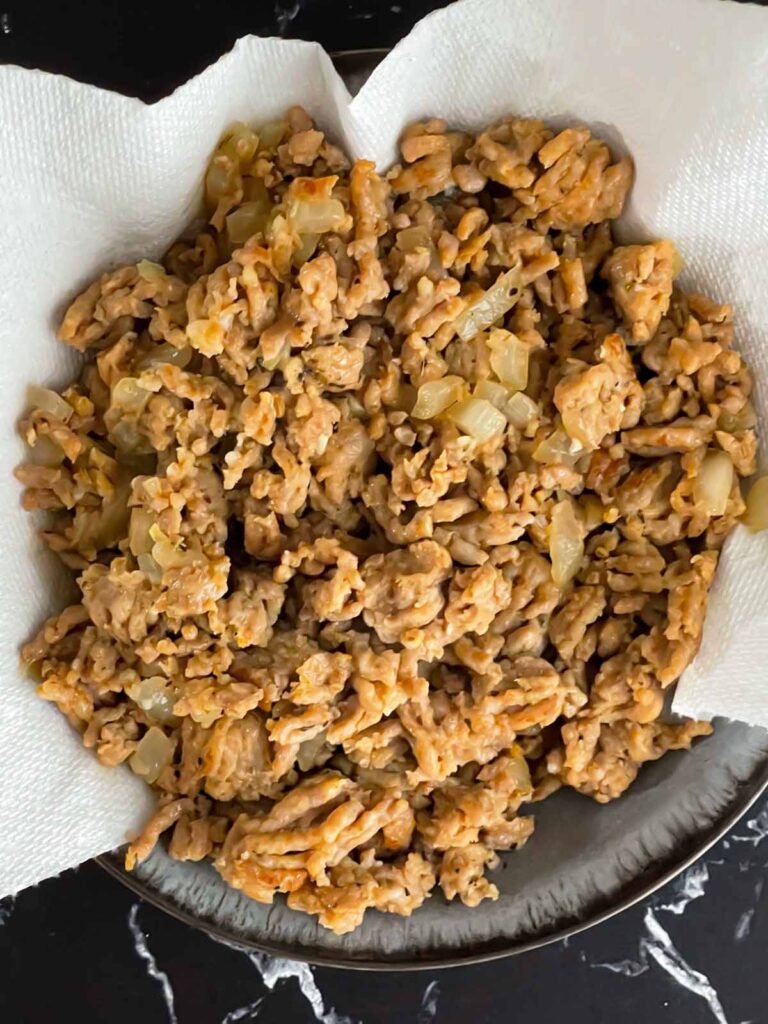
{"type": "Point", "coordinates": [385, 497]}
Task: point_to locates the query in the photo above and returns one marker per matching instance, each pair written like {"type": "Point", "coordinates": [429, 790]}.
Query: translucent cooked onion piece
{"type": "Point", "coordinates": [756, 515]}
{"type": "Point", "coordinates": [477, 418]}
{"type": "Point", "coordinates": [521, 774]}
{"type": "Point", "coordinates": [558, 449]}
{"type": "Point", "coordinates": [139, 540]}
{"type": "Point", "coordinates": [435, 396]}
{"type": "Point", "coordinates": [166, 353]}
{"type": "Point", "coordinates": [271, 133]}
{"type": "Point", "coordinates": [129, 397]}
{"type": "Point", "coordinates": [566, 543]}
{"type": "Point", "coordinates": [247, 220]}
{"type": "Point", "coordinates": [167, 554]}
{"type": "Point", "coordinates": [150, 568]}
{"type": "Point", "coordinates": [49, 402]}
{"type": "Point", "coordinates": [415, 237]}
{"type": "Point", "coordinates": [240, 143]}
{"type": "Point", "coordinates": [153, 753]}
{"type": "Point", "coordinates": [492, 392]}
{"type": "Point", "coordinates": [150, 271]}
{"type": "Point", "coordinates": [508, 359]}
{"type": "Point", "coordinates": [156, 697]}
{"type": "Point", "coordinates": [316, 217]}
{"type": "Point", "coordinates": [521, 410]}
{"type": "Point", "coordinates": [127, 403]}
{"type": "Point", "coordinates": [713, 483]}
{"type": "Point", "coordinates": [109, 529]}
{"type": "Point", "coordinates": [221, 180]}
{"type": "Point", "coordinates": [45, 452]}
{"type": "Point", "coordinates": [306, 250]}
{"type": "Point", "coordinates": [170, 555]}
{"type": "Point", "coordinates": [491, 306]}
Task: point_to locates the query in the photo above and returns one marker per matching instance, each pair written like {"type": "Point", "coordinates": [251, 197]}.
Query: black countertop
{"type": "Point", "coordinates": [82, 948]}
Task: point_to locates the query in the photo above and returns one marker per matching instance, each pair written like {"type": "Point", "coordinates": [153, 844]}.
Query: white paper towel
{"type": "Point", "coordinates": [91, 179]}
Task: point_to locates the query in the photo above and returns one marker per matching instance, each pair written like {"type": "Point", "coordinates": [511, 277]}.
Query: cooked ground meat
{"type": "Point", "coordinates": [394, 502]}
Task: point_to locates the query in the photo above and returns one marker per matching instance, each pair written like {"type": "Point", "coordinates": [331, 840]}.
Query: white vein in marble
{"type": "Point", "coordinates": [657, 944]}
{"type": "Point", "coordinates": [690, 886]}
{"type": "Point", "coordinates": [744, 925]}
{"type": "Point", "coordinates": [243, 1012]}
{"type": "Point", "coordinates": [144, 952]}
{"type": "Point", "coordinates": [660, 947]}
{"type": "Point", "coordinates": [428, 1008]}
{"type": "Point", "coordinates": [758, 829]}
{"type": "Point", "coordinates": [629, 968]}
{"type": "Point", "coordinates": [273, 970]}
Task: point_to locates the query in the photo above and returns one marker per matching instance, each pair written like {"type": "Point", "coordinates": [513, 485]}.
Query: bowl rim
{"type": "Point", "coordinates": [632, 893]}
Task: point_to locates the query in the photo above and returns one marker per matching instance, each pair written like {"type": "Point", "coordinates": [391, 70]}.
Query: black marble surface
{"type": "Point", "coordinates": [81, 948]}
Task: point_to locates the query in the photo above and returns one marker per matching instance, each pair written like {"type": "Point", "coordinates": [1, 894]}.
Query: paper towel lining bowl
{"type": "Point", "coordinates": [584, 863]}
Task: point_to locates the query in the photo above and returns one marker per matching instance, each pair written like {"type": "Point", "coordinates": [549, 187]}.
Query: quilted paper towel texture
{"type": "Point", "coordinates": [92, 179]}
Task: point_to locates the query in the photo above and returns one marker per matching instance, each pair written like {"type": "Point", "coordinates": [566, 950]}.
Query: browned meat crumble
{"type": "Point", "coordinates": [394, 502]}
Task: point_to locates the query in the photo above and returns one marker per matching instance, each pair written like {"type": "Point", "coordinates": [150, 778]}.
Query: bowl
{"type": "Point", "coordinates": [584, 863]}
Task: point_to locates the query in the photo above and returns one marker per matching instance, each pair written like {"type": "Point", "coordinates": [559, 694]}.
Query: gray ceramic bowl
{"type": "Point", "coordinates": [584, 863]}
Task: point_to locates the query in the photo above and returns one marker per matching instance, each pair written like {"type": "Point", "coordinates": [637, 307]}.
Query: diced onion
{"type": "Point", "coordinates": [435, 396]}
{"type": "Point", "coordinates": [156, 697]}
{"type": "Point", "coordinates": [111, 525]}
{"type": "Point", "coordinates": [521, 410]}
{"type": "Point", "coordinates": [756, 516]}
{"type": "Point", "coordinates": [153, 753]}
{"type": "Point", "coordinates": [127, 403]}
{"type": "Point", "coordinates": [492, 392]}
{"type": "Point", "coordinates": [491, 306]}
{"type": "Point", "coordinates": [306, 250]}
{"type": "Point", "coordinates": [508, 359]}
{"type": "Point", "coordinates": [477, 418]}
{"type": "Point", "coordinates": [49, 402]}
{"type": "Point", "coordinates": [150, 568]}
{"type": "Point", "coordinates": [415, 237]}
{"type": "Point", "coordinates": [315, 217]}
{"type": "Point", "coordinates": [128, 396]}
{"type": "Point", "coordinates": [166, 353]}
{"type": "Point", "coordinates": [45, 452]}
{"type": "Point", "coordinates": [220, 179]}
{"type": "Point", "coordinates": [566, 544]}
{"type": "Point", "coordinates": [125, 436]}
{"type": "Point", "coordinates": [150, 271]}
{"type": "Point", "coordinates": [271, 133]}
{"type": "Point", "coordinates": [240, 143]}
{"type": "Point", "coordinates": [713, 483]}
{"type": "Point", "coordinates": [247, 220]}
{"type": "Point", "coordinates": [591, 512]}
{"type": "Point", "coordinates": [558, 449]}
{"type": "Point", "coordinates": [167, 554]}
{"type": "Point", "coordinates": [139, 540]}
{"type": "Point", "coordinates": [520, 774]}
